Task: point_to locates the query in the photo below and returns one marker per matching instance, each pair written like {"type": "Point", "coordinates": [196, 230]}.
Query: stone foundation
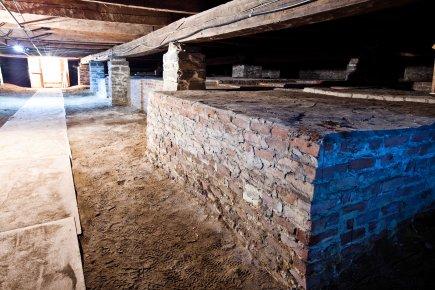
{"type": "Point", "coordinates": [247, 71]}
{"type": "Point", "coordinates": [307, 182]}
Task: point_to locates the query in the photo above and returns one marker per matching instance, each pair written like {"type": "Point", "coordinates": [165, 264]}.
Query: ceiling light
{"type": "Point", "coordinates": [18, 48]}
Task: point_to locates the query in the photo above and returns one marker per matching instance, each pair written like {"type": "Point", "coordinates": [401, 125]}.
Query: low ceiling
{"type": "Point", "coordinates": [82, 27]}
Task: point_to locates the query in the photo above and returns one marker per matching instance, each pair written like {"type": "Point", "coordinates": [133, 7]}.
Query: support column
{"type": "Point", "coordinates": [96, 72]}
{"type": "Point", "coordinates": [432, 91]}
{"type": "Point", "coordinates": [183, 69]}
{"type": "Point", "coordinates": [1, 77]}
{"type": "Point", "coordinates": [119, 81]}
{"type": "Point", "coordinates": [83, 74]}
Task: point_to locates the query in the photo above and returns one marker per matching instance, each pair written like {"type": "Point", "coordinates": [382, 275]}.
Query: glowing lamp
{"type": "Point", "coordinates": [18, 48]}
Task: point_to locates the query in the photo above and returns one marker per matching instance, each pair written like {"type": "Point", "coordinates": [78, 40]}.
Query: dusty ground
{"type": "Point", "coordinates": [11, 101]}
{"type": "Point", "coordinates": [140, 231]}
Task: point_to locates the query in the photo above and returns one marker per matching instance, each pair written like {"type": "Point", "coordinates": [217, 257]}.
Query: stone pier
{"type": "Point", "coordinates": [183, 69]}
{"type": "Point", "coordinates": [119, 81]}
{"type": "Point", "coordinates": [83, 74]}
{"type": "Point", "coordinates": [96, 71]}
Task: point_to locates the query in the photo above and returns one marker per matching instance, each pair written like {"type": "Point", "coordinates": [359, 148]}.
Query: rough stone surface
{"type": "Point", "coordinates": [422, 87]}
{"type": "Point", "coordinates": [141, 89]}
{"type": "Point", "coordinates": [83, 74]}
{"type": "Point", "coordinates": [270, 74]}
{"type": "Point", "coordinates": [96, 71]}
{"type": "Point", "coordinates": [418, 74]}
{"type": "Point", "coordinates": [247, 71]}
{"type": "Point", "coordinates": [183, 69]}
{"type": "Point", "coordinates": [306, 190]}
{"type": "Point", "coordinates": [119, 82]}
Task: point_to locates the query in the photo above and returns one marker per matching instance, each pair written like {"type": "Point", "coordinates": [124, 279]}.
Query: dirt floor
{"type": "Point", "coordinates": [11, 100]}
{"type": "Point", "coordinates": [140, 230]}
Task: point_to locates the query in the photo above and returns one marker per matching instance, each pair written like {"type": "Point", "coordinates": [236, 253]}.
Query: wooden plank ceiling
{"type": "Point", "coordinates": [82, 27]}
{"type": "Point", "coordinates": [243, 17]}
{"type": "Point", "coordinates": [100, 29]}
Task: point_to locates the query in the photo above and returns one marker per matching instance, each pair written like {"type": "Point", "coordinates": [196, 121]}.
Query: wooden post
{"type": "Point", "coordinates": [432, 92]}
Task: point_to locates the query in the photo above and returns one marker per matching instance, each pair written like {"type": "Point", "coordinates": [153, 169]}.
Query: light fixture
{"type": "Point", "coordinates": [18, 48]}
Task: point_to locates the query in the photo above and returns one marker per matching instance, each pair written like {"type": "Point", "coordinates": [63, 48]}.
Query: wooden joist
{"type": "Point", "coordinates": [243, 17]}
{"type": "Point", "coordinates": [90, 11]}
{"type": "Point", "coordinates": [34, 21]}
{"type": "Point", "coordinates": [181, 7]}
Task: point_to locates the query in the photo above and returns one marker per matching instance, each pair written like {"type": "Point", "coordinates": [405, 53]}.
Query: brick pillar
{"type": "Point", "coordinates": [119, 81]}
{"type": "Point", "coordinates": [432, 92]}
{"type": "Point", "coordinates": [83, 74]}
{"type": "Point", "coordinates": [183, 69]}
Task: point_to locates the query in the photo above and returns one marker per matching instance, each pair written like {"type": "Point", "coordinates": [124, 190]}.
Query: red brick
{"type": "Point", "coordinates": [265, 154]}
{"type": "Point", "coordinates": [280, 131]}
{"type": "Point", "coordinates": [281, 146]}
{"type": "Point", "coordinates": [305, 146]}
{"type": "Point", "coordinates": [261, 128]}
{"type": "Point", "coordinates": [287, 196]}
{"type": "Point", "coordinates": [241, 122]}
{"type": "Point", "coordinates": [289, 164]}
{"type": "Point", "coordinates": [254, 139]}
{"type": "Point", "coordinates": [314, 240]}
{"type": "Point", "coordinates": [302, 236]}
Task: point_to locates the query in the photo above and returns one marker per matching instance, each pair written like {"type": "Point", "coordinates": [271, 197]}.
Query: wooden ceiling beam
{"type": "Point", "coordinates": [244, 17]}
{"type": "Point", "coordinates": [34, 21]}
{"type": "Point", "coordinates": [90, 11]}
{"type": "Point", "coordinates": [72, 35]}
{"type": "Point", "coordinates": [182, 7]}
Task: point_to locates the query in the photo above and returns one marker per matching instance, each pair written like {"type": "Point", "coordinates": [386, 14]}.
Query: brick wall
{"type": "Point", "coordinates": [141, 89]}
{"type": "Point", "coordinates": [305, 206]}
{"type": "Point", "coordinates": [367, 183]}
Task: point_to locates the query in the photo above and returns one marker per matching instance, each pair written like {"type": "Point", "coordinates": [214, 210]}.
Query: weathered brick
{"type": "Point", "coordinates": [265, 154]}
{"type": "Point", "coordinates": [261, 127]}
{"type": "Point", "coordinates": [352, 235]}
{"type": "Point", "coordinates": [362, 163]}
{"type": "Point", "coordinates": [316, 239]}
{"type": "Point", "coordinates": [241, 122]}
{"type": "Point", "coordinates": [360, 206]}
{"type": "Point", "coordinates": [395, 141]}
{"type": "Point", "coordinates": [280, 131]}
